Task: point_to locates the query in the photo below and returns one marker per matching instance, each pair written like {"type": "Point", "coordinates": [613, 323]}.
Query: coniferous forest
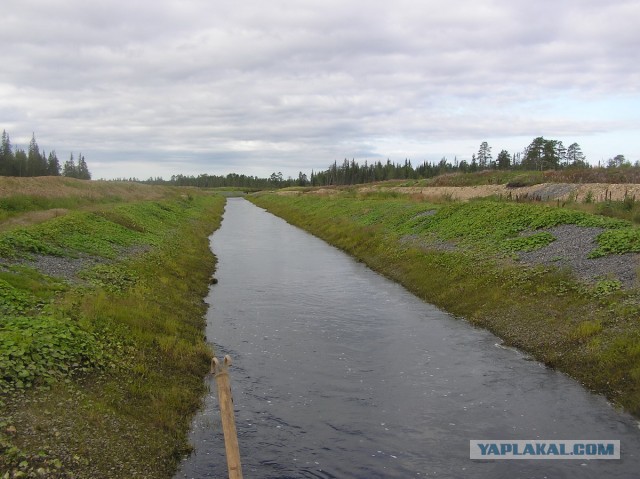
{"type": "Point", "coordinates": [34, 162]}
{"type": "Point", "coordinates": [540, 155]}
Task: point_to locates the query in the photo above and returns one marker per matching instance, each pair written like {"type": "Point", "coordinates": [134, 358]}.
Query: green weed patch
{"type": "Point", "coordinates": [618, 241]}
{"type": "Point", "coordinates": [43, 349]}
{"type": "Point", "coordinates": [20, 243]}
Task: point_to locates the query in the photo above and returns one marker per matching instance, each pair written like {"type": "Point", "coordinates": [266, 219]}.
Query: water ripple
{"type": "Point", "coordinates": [338, 372]}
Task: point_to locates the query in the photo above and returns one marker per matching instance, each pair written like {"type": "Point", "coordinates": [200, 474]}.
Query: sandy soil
{"type": "Point", "coordinates": [545, 191]}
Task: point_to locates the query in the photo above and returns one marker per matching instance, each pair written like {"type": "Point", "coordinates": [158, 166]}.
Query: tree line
{"type": "Point", "coordinates": [33, 162]}
{"type": "Point", "coordinates": [540, 154]}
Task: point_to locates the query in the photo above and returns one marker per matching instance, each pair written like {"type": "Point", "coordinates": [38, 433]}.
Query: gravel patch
{"type": "Point", "coordinates": [571, 248]}
{"type": "Point", "coordinates": [57, 266]}
{"type": "Point", "coordinates": [428, 244]}
{"type": "Point", "coordinates": [552, 191]}
{"type": "Point", "coordinates": [425, 213]}
{"type": "Point", "coordinates": [66, 268]}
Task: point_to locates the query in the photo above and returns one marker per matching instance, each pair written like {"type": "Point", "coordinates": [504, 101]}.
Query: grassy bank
{"type": "Point", "coordinates": [460, 256]}
{"type": "Point", "coordinates": [102, 360]}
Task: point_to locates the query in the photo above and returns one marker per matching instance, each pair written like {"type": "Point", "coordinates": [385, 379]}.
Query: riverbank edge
{"type": "Point", "coordinates": [131, 416]}
{"type": "Point", "coordinates": [545, 313]}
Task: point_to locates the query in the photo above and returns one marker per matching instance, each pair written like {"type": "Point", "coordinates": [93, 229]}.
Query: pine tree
{"type": "Point", "coordinates": [69, 169]}
{"type": "Point", "coordinates": [561, 153]}
{"type": "Point", "coordinates": [53, 165]}
{"type": "Point", "coordinates": [575, 157]}
{"type": "Point", "coordinates": [83, 169]}
{"type": "Point", "coordinates": [484, 155]}
{"type": "Point", "coordinates": [35, 164]}
{"type": "Point", "coordinates": [6, 155]}
{"type": "Point", "coordinates": [504, 160]}
{"type": "Point", "coordinates": [20, 163]}
{"type": "Point", "coordinates": [542, 154]}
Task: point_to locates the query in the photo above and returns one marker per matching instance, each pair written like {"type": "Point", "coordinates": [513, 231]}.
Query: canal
{"type": "Point", "coordinates": [340, 373]}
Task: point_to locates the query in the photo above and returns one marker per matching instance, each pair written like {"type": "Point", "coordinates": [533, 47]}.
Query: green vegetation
{"type": "Point", "coordinates": [458, 257]}
{"type": "Point", "coordinates": [494, 223]}
{"type": "Point", "coordinates": [100, 374]}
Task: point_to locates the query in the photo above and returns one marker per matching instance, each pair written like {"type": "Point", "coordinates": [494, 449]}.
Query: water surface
{"type": "Point", "coordinates": [341, 373]}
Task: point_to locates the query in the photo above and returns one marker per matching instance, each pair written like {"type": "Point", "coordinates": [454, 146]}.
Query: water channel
{"type": "Point", "coordinates": [340, 373]}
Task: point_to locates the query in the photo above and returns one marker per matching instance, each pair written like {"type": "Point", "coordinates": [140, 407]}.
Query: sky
{"type": "Point", "coordinates": [148, 88]}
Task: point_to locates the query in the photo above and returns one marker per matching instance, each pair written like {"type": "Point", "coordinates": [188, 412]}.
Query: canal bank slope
{"type": "Point", "coordinates": [477, 261]}
{"type": "Point", "coordinates": [102, 348]}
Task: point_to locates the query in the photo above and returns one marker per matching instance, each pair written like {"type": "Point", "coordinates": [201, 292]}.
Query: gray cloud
{"type": "Point", "coordinates": [214, 86]}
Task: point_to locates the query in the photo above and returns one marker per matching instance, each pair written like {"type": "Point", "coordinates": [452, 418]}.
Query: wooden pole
{"type": "Point", "coordinates": [220, 372]}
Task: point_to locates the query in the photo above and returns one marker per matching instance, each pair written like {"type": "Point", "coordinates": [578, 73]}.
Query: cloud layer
{"type": "Point", "coordinates": [154, 88]}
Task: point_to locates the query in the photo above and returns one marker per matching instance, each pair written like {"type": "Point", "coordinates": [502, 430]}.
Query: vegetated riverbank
{"type": "Point", "coordinates": [463, 257]}
{"type": "Point", "coordinates": [102, 350]}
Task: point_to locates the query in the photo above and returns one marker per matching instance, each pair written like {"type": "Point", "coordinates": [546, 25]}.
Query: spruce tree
{"type": "Point", "coordinates": [6, 155]}
{"type": "Point", "coordinates": [504, 160]}
{"type": "Point", "coordinates": [69, 169]}
{"type": "Point", "coordinates": [35, 164]}
{"type": "Point", "coordinates": [53, 165]}
{"type": "Point", "coordinates": [83, 169]}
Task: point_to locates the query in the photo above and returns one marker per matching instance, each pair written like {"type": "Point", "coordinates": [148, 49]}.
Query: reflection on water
{"type": "Point", "coordinates": [338, 372]}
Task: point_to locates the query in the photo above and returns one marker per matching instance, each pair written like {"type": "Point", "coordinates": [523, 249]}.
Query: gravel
{"type": "Point", "coordinates": [551, 191]}
{"type": "Point", "coordinates": [61, 267]}
{"type": "Point", "coordinates": [67, 268]}
{"type": "Point", "coordinates": [571, 248]}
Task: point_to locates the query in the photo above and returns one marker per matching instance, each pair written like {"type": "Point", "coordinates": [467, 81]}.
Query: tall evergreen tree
{"type": "Point", "coordinates": [504, 160]}
{"type": "Point", "coordinates": [6, 155]}
{"type": "Point", "coordinates": [474, 164]}
{"type": "Point", "coordinates": [36, 166]}
{"type": "Point", "coordinates": [83, 169]}
{"type": "Point", "coordinates": [541, 154]}
{"type": "Point", "coordinates": [484, 155]}
{"type": "Point", "coordinates": [21, 161]}
{"type": "Point", "coordinates": [70, 169]}
{"type": "Point", "coordinates": [53, 165]}
{"type": "Point", "coordinates": [561, 153]}
{"type": "Point", "coordinates": [575, 157]}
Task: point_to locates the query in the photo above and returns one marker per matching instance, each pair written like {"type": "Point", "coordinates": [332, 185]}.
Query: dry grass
{"type": "Point", "coordinates": [31, 218]}
{"type": "Point", "coordinates": [28, 201]}
{"type": "Point", "coordinates": [60, 187]}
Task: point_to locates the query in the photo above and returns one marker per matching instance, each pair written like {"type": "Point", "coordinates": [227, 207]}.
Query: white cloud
{"type": "Point", "coordinates": [216, 86]}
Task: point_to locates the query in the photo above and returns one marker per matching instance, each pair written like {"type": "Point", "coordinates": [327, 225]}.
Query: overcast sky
{"type": "Point", "coordinates": [157, 87]}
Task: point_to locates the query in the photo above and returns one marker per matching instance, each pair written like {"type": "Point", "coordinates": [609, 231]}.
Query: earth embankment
{"type": "Point", "coordinates": [102, 348]}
